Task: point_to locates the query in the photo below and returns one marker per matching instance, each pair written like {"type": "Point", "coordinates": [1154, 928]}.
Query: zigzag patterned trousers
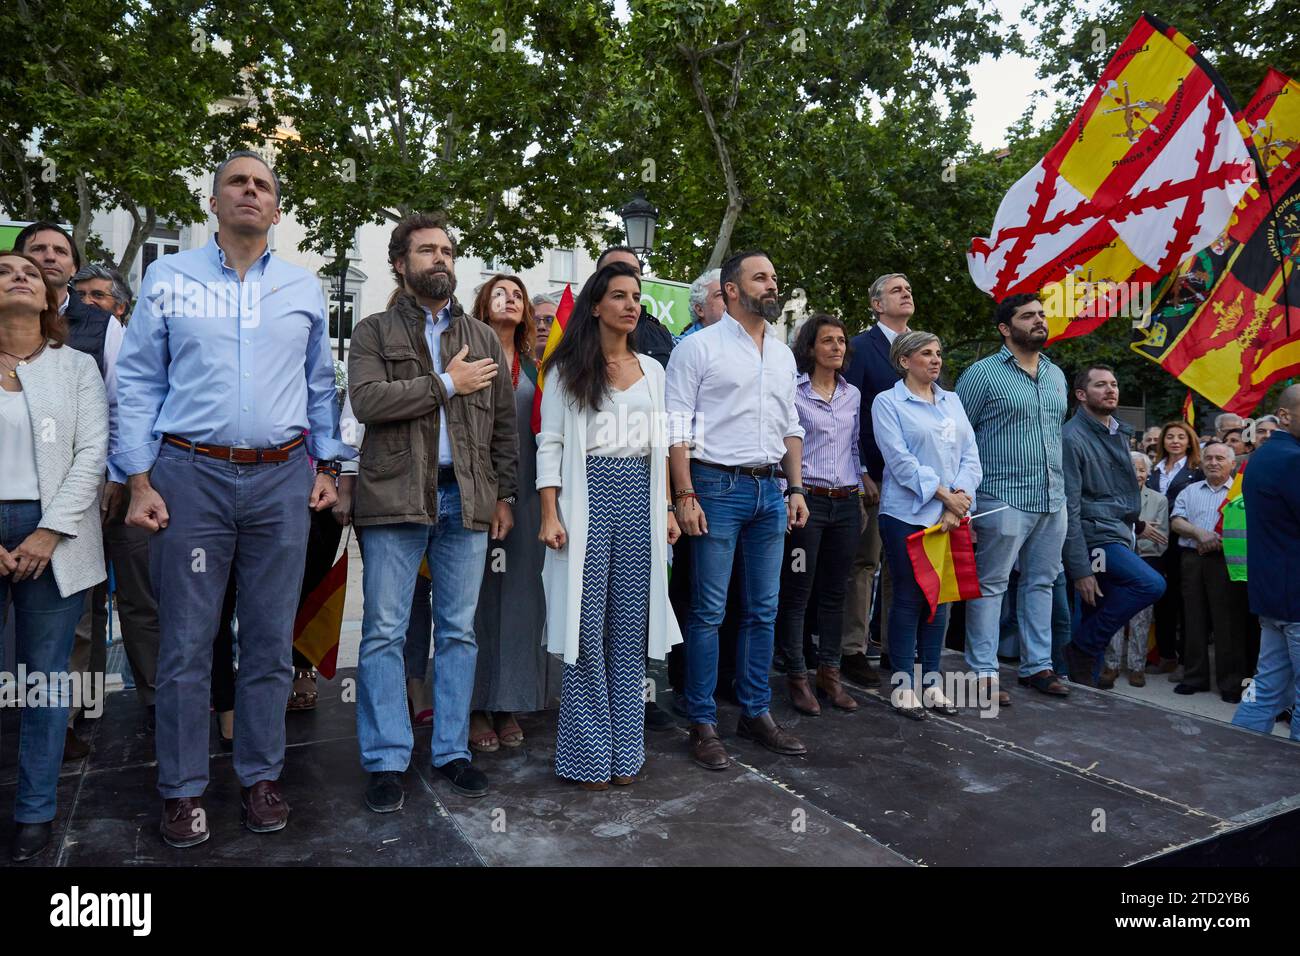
{"type": "Point", "coordinates": [602, 714]}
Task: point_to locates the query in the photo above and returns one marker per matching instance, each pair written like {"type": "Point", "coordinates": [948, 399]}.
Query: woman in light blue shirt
{"type": "Point", "coordinates": [932, 469]}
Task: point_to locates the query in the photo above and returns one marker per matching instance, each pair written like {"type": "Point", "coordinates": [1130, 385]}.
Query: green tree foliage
{"type": "Point", "coordinates": [120, 99]}
{"type": "Point", "coordinates": [381, 107]}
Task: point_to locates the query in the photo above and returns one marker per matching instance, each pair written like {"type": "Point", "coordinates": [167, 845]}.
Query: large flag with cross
{"type": "Point", "coordinates": [1147, 174]}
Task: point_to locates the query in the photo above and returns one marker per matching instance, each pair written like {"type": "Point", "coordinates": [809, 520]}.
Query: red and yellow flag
{"type": "Point", "coordinates": [1147, 174]}
{"type": "Point", "coordinates": [1228, 323]}
{"type": "Point", "coordinates": [944, 564]}
{"type": "Point", "coordinates": [552, 342]}
{"type": "Point", "coordinates": [1189, 409]}
{"type": "Point", "coordinates": [319, 622]}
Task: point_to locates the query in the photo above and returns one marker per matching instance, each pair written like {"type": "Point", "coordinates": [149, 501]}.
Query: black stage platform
{"type": "Point", "coordinates": [1095, 780]}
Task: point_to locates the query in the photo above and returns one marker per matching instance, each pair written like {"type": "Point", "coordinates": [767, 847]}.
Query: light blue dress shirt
{"type": "Point", "coordinates": [433, 330]}
{"type": "Point", "coordinates": [925, 446]}
{"type": "Point", "coordinates": [212, 359]}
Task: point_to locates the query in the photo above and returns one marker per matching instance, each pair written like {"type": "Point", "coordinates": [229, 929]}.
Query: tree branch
{"type": "Point", "coordinates": [735, 201]}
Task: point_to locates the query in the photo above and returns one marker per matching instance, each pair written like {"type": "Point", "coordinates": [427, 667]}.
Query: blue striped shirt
{"type": "Point", "coordinates": [1017, 420]}
{"type": "Point", "coordinates": [831, 451]}
{"type": "Point", "coordinates": [1199, 503]}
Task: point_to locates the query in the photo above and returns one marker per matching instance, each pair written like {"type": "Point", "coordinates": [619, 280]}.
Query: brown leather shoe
{"type": "Point", "coordinates": [1137, 679]}
{"type": "Point", "coordinates": [1046, 682]}
{"type": "Point", "coordinates": [769, 733]}
{"type": "Point", "coordinates": [857, 668]}
{"type": "Point", "coordinates": [184, 822]}
{"type": "Point", "coordinates": [801, 696]}
{"type": "Point", "coordinates": [707, 749]}
{"type": "Point", "coordinates": [262, 808]}
{"type": "Point", "coordinates": [1004, 699]}
{"type": "Point", "coordinates": [828, 682]}
{"type": "Point", "coordinates": [623, 781]}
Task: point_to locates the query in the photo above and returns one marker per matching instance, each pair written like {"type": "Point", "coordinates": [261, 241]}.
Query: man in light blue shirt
{"type": "Point", "coordinates": [224, 367]}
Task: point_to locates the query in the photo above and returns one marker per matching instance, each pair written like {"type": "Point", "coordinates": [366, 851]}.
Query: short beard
{"type": "Point", "coordinates": [1027, 340]}
{"type": "Point", "coordinates": [431, 283]}
{"type": "Point", "coordinates": [770, 310]}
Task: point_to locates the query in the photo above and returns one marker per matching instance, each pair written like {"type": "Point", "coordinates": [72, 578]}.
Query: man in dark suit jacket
{"type": "Point", "coordinates": [872, 373]}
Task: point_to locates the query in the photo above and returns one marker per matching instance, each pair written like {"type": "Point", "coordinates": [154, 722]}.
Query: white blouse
{"type": "Point", "coordinates": [622, 426]}
{"type": "Point", "coordinates": [17, 450]}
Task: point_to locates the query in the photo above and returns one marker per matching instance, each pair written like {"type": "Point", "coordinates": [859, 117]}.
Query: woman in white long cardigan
{"type": "Point", "coordinates": [53, 441]}
{"type": "Point", "coordinates": [602, 473]}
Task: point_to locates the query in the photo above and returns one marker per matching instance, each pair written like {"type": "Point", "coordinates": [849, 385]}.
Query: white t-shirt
{"type": "Point", "coordinates": [17, 450]}
{"type": "Point", "coordinates": [622, 427]}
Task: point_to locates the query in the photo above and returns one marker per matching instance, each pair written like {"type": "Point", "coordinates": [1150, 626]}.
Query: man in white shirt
{"type": "Point", "coordinates": [734, 429]}
{"type": "Point", "coordinates": [1212, 603]}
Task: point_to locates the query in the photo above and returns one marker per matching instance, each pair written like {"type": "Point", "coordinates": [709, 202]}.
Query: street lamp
{"type": "Point", "coordinates": [639, 218]}
{"type": "Point", "coordinates": [339, 286]}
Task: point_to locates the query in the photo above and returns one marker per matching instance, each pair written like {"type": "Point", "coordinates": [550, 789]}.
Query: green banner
{"type": "Point", "coordinates": [669, 302]}
{"type": "Point", "coordinates": [8, 233]}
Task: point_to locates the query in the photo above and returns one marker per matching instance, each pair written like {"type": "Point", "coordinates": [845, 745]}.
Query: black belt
{"type": "Point", "coordinates": [761, 471]}
{"type": "Point", "coordinates": [446, 474]}
{"type": "Point", "coordinates": [843, 491]}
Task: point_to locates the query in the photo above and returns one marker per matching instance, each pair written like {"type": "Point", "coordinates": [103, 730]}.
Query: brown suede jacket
{"type": "Point", "coordinates": [397, 395]}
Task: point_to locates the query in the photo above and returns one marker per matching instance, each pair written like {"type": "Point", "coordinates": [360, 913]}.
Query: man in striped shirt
{"type": "Point", "coordinates": [1210, 601]}
{"type": "Point", "coordinates": [1016, 402]}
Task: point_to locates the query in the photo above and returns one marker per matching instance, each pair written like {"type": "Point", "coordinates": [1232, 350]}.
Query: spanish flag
{"type": "Point", "coordinates": [1227, 323]}
{"type": "Point", "coordinates": [320, 619]}
{"type": "Point", "coordinates": [552, 342]}
{"type": "Point", "coordinates": [1189, 409]}
{"type": "Point", "coordinates": [1148, 174]}
{"type": "Point", "coordinates": [944, 564]}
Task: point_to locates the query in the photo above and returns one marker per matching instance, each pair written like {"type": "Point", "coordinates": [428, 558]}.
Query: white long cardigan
{"type": "Point", "coordinates": [69, 414]}
{"type": "Point", "coordinates": [562, 463]}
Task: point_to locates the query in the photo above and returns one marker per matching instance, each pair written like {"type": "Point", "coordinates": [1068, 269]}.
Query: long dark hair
{"type": "Point", "coordinates": [578, 359]}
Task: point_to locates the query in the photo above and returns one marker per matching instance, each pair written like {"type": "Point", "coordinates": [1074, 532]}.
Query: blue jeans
{"type": "Point", "coordinates": [745, 516]}
{"type": "Point", "coordinates": [1277, 679]}
{"type": "Point", "coordinates": [392, 562]}
{"type": "Point", "coordinates": [1128, 584]}
{"type": "Point", "coordinates": [45, 624]}
{"type": "Point", "coordinates": [909, 622]}
{"type": "Point", "coordinates": [1062, 620]}
{"type": "Point", "coordinates": [1036, 539]}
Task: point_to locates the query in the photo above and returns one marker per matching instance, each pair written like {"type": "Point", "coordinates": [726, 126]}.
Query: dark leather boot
{"type": "Point", "coordinates": [828, 682]}
{"type": "Point", "coordinates": [768, 732]}
{"type": "Point", "coordinates": [857, 668]}
{"type": "Point", "coordinates": [802, 698]}
{"type": "Point", "coordinates": [707, 749]}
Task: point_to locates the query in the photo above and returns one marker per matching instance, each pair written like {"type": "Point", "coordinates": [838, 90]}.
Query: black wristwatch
{"type": "Point", "coordinates": [795, 490]}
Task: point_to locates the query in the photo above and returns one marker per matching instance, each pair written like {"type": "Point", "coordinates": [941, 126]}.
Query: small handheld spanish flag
{"type": "Point", "coordinates": [319, 622]}
{"type": "Point", "coordinates": [944, 564]}
{"type": "Point", "coordinates": [552, 342]}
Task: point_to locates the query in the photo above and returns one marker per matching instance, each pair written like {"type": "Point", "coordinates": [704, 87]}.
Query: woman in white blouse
{"type": "Point", "coordinates": [602, 473]}
{"type": "Point", "coordinates": [53, 442]}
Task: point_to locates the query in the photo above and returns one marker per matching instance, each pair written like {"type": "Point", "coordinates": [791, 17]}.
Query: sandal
{"type": "Point", "coordinates": [508, 730]}
{"type": "Point", "coordinates": [484, 741]}
{"type": "Point", "coordinates": [304, 690]}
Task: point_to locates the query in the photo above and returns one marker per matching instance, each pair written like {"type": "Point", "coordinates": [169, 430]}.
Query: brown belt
{"type": "Point", "coordinates": [240, 456]}
{"type": "Point", "coordinates": [846, 491]}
